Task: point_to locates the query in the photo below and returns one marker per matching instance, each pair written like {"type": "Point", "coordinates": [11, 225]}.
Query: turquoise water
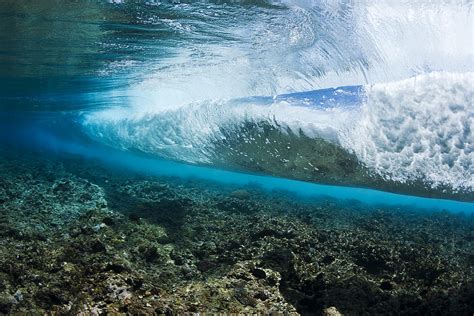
{"type": "Point", "coordinates": [34, 138]}
{"type": "Point", "coordinates": [294, 157]}
{"type": "Point", "coordinates": [293, 89]}
{"type": "Point", "coordinates": [303, 189]}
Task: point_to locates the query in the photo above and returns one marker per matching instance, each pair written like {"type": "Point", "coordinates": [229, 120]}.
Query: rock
{"type": "Point", "coordinates": [164, 239]}
{"type": "Point", "coordinates": [205, 265]}
{"type": "Point", "coordinates": [470, 260]}
{"type": "Point", "coordinates": [6, 302]}
{"type": "Point", "coordinates": [87, 231]}
{"type": "Point", "coordinates": [62, 186]}
{"type": "Point", "coordinates": [188, 272]}
{"type": "Point", "coordinates": [331, 311]}
{"type": "Point", "coordinates": [328, 259]}
{"type": "Point", "coordinates": [240, 194]}
{"type": "Point", "coordinates": [177, 257]}
{"type": "Point", "coordinates": [261, 295]}
{"type": "Point", "coordinates": [98, 227]}
{"type": "Point", "coordinates": [259, 273]}
{"type": "Point", "coordinates": [386, 285]}
{"type": "Point", "coordinates": [68, 267]}
{"type": "Point", "coordinates": [373, 259]}
{"type": "Point", "coordinates": [231, 253]}
{"type": "Point", "coordinates": [109, 221]}
{"type": "Point", "coordinates": [134, 217]}
{"type": "Point", "coordinates": [242, 295]}
{"type": "Point", "coordinates": [97, 246]}
{"type": "Point", "coordinates": [238, 206]}
{"type": "Point", "coordinates": [269, 232]}
{"type": "Point", "coordinates": [50, 296]}
{"type": "Point", "coordinates": [164, 311]}
{"type": "Point", "coordinates": [18, 296]}
{"type": "Point", "coordinates": [117, 268]}
{"type": "Point", "coordinates": [135, 283]}
{"type": "Point", "coordinates": [149, 253]}
{"type": "Point", "coordinates": [279, 259]}
{"type": "Point", "coordinates": [120, 292]}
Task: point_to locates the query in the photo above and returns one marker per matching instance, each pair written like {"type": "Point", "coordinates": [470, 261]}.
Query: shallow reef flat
{"type": "Point", "coordinates": [78, 237]}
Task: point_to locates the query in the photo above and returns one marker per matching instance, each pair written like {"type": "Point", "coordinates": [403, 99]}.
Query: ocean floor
{"type": "Point", "coordinates": [78, 237]}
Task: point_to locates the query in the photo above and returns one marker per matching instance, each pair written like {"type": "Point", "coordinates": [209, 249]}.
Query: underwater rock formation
{"type": "Point", "coordinates": [83, 238]}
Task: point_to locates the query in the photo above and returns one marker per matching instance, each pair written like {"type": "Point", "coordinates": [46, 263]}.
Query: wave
{"type": "Point", "coordinates": [308, 45]}
{"type": "Point", "coordinates": [221, 83]}
{"type": "Point", "coordinates": [417, 130]}
{"type": "Point", "coordinates": [379, 129]}
{"type": "Point", "coordinates": [164, 54]}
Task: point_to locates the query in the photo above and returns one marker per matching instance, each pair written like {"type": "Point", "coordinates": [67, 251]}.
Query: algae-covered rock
{"type": "Point", "coordinates": [73, 243]}
{"type": "Point", "coordinates": [331, 311]}
{"type": "Point", "coordinates": [7, 301]}
{"type": "Point", "coordinates": [240, 194]}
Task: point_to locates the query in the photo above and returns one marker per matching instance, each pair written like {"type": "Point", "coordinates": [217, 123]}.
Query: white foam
{"type": "Point", "coordinates": [418, 128]}
{"type": "Point", "coordinates": [310, 45]}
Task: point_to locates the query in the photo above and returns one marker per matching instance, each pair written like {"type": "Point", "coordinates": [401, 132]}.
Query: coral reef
{"type": "Point", "coordinates": [78, 237]}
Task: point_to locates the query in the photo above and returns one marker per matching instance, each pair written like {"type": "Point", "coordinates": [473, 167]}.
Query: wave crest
{"type": "Point", "coordinates": [409, 131]}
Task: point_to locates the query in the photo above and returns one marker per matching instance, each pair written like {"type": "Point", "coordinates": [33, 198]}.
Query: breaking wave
{"type": "Point", "coordinates": [245, 51]}
{"type": "Point", "coordinates": [232, 96]}
{"type": "Point", "coordinates": [417, 129]}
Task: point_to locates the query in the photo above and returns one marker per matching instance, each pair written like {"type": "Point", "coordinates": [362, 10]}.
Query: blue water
{"type": "Point", "coordinates": [304, 189]}
{"type": "Point", "coordinates": [30, 135]}
{"type": "Point", "coordinates": [274, 156]}
{"type": "Point", "coordinates": [171, 88]}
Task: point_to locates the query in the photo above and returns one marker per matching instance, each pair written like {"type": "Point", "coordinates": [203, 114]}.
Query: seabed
{"type": "Point", "coordinates": [243, 157]}
{"type": "Point", "coordinates": [81, 237]}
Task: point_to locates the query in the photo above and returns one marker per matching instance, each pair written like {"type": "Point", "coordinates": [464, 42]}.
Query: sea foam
{"type": "Point", "coordinates": [414, 129]}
